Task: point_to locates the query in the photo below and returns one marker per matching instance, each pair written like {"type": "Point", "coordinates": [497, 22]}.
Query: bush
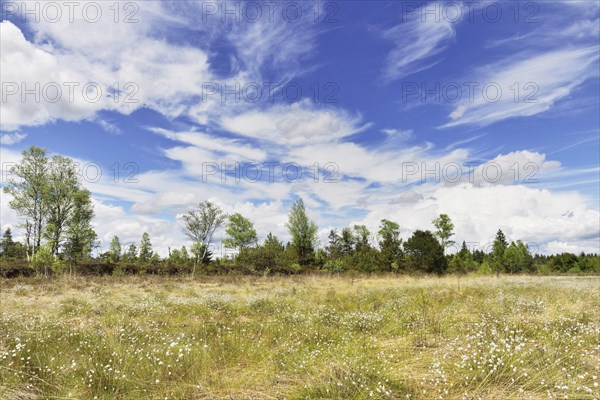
{"type": "Point", "coordinates": [94, 267]}
{"type": "Point", "coordinates": [43, 260]}
{"type": "Point", "coordinates": [336, 265]}
{"type": "Point", "coordinates": [485, 269]}
{"type": "Point", "coordinates": [15, 268]}
{"type": "Point", "coordinates": [544, 269]}
{"type": "Point", "coordinates": [574, 270]}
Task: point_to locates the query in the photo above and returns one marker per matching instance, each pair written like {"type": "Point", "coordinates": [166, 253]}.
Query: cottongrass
{"type": "Point", "coordinates": [300, 338]}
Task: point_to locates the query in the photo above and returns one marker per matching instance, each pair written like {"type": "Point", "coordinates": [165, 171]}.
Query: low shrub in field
{"type": "Point", "coordinates": [16, 268]}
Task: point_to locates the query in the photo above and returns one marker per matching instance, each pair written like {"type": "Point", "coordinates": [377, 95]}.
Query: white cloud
{"type": "Point", "coordinates": [523, 213]}
{"type": "Point", "coordinates": [417, 40]}
{"type": "Point", "coordinates": [398, 133]}
{"type": "Point", "coordinates": [65, 56]}
{"type": "Point", "coordinates": [586, 246]}
{"type": "Point", "coordinates": [7, 139]}
{"type": "Point", "coordinates": [524, 85]}
{"type": "Point", "coordinates": [295, 124]}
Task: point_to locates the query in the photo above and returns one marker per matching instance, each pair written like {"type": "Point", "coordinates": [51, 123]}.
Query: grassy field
{"type": "Point", "coordinates": [300, 338]}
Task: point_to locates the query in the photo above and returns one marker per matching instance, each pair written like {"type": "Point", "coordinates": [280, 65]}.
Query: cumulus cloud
{"type": "Point", "coordinates": [69, 83]}
{"type": "Point", "coordinates": [8, 139]}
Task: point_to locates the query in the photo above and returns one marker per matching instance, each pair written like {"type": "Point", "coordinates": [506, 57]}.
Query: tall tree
{"type": "Point", "coordinates": [444, 230]}
{"type": "Point", "coordinates": [241, 232]}
{"type": "Point", "coordinates": [145, 248]}
{"type": "Point", "coordinates": [425, 253]}
{"type": "Point", "coordinates": [361, 234]}
{"type": "Point", "coordinates": [390, 242]}
{"type": "Point", "coordinates": [47, 193]}
{"type": "Point", "coordinates": [517, 258]}
{"type": "Point", "coordinates": [498, 248]}
{"type": "Point", "coordinates": [59, 197]}
{"type": "Point", "coordinates": [80, 235]}
{"type": "Point", "coordinates": [303, 232]}
{"type": "Point", "coordinates": [200, 225]}
{"type": "Point", "coordinates": [334, 248]}
{"type": "Point", "coordinates": [464, 251]}
{"type": "Point", "coordinates": [501, 239]}
{"type": "Point", "coordinates": [28, 191]}
{"type": "Point", "coordinates": [114, 249]}
{"type": "Point", "coordinates": [7, 244]}
{"type": "Point", "coordinates": [347, 241]}
{"type": "Point", "coordinates": [184, 254]}
{"type": "Point", "coordinates": [131, 255]}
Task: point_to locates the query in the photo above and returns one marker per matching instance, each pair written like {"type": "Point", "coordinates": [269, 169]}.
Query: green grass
{"type": "Point", "coordinates": [300, 338]}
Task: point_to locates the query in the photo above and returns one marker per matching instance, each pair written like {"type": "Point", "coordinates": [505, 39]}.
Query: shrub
{"type": "Point", "coordinates": [43, 260]}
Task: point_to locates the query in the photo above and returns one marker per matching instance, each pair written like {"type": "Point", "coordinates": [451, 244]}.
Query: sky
{"type": "Point", "coordinates": [486, 111]}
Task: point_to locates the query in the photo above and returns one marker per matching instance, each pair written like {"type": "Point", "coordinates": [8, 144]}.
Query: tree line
{"type": "Point", "coordinates": [59, 238]}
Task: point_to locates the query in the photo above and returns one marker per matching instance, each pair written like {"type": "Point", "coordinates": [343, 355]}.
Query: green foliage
{"type": "Point", "coordinates": [115, 250]}
{"type": "Point", "coordinates": [145, 248]}
{"type": "Point", "coordinates": [58, 213]}
{"type": "Point", "coordinates": [334, 248]}
{"type": "Point", "coordinates": [501, 239]}
{"type": "Point", "coordinates": [367, 259]}
{"type": "Point", "coordinates": [49, 196]}
{"type": "Point", "coordinates": [200, 225]}
{"type": "Point", "coordinates": [444, 230]}
{"type": "Point", "coordinates": [28, 191]}
{"type": "Point", "coordinates": [457, 265]}
{"type": "Point", "coordinates": [80, 235]}
{"type": "Point", "coordinates": [60, 194]}
{"type": "Point", "coordinates": [271, 256]}
{"type": "Point", "coordinates": [43, 260]}
{"type": "Point", "coordinates": [335, 265]}
{"type": "Point", "coordinates": [424, 253]}
{"type": "Point", "coordinates": [347, 241]}
{"type": "Point", "coordinates": [390, 244]}
{"type": "Point", "coordinates": [303, 233]}
{"type": "Point", "coordinates": [485, 269]}
{"type": "Point", "coordinates": [361, 237]}
{"type": "Point", "coordinates": [131, 255]}
{"type": "Point", "coordinates": [564, 262]}
{"type": "Point", "coordinates": [516, 258]}
{"type": "Point", "coordinates": [9, 249]}
{"type": "Point", "coordinates": [241, 232]}
{"type": "Point", "coordinates": [498, 248]}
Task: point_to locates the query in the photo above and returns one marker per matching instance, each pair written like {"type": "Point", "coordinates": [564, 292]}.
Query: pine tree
{"type": "Point", "coordinates": [7, 244]}
{"type": "Point", "coordinates": [334, 248]}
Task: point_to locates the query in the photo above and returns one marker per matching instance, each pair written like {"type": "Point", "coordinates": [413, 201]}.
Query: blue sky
{"type": "Point", "coordinates": [375, 93]}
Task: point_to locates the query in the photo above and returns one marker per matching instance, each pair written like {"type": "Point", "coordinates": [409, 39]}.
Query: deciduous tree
{"type": "Point", "coordinates": [444, 230]}
{"type": "Point", "coordinates": [303, 232]}
{"type": "Point", "coordinates": [27, 184]}
{"type": "Point", "coordinates": [200, 225]}
{"type": "Point", "coordinates": [241, 232]}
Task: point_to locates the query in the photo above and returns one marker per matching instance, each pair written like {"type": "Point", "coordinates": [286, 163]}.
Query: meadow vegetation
{"type": "Point", "coordinates": [300, 337]}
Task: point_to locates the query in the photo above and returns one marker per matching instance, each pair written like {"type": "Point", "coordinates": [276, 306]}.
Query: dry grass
{"type": "Point", "coordinates": [309, 337]}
